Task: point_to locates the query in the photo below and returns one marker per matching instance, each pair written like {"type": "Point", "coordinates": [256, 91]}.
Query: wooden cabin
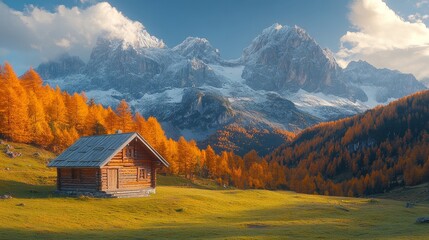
{"type": "Point", "coordinates": [116, 165]}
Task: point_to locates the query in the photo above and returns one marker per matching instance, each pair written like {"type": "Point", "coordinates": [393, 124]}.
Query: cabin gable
{"type": "Point", "coordinates": [109, 164]}
{"type": "Point", "coordinates": [136, 168]}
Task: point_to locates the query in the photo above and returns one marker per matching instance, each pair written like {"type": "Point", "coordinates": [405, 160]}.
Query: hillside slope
{"type": "Point", "coordinates": [284, 80]}
{"type": "Point", "coordinates": [369, 153]}
{"type": "Point", "coordinates": [189, 213]}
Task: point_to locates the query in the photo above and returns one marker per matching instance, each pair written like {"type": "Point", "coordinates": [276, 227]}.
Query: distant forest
{"type": "Point", "coordinates": [385, 147]}
{"type": "Point", "coordinates": [368, 153]}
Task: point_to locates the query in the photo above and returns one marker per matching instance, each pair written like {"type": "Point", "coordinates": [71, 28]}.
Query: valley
{"type": "Point", "coordinates": [211, 120]}
{"type": "Point", "coordinates": [190, 210]}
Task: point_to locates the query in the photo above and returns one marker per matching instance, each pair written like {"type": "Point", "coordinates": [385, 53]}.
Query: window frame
{"type": "Point", "coordinates": [139, 173]}
{"type": "Point", "coordinates": [130, 152]}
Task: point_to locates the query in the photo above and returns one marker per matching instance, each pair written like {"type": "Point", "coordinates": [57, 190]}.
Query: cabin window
{"type": "Point", "coordinates": [142, 173]}
{"type": "Point", "coordinates": [131, 152]}
{"type": "Point", "coordinates": [75, 174]}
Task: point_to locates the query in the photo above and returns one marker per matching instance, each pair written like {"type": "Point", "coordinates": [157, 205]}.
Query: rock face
{"type": "Point", "coordinates": [283, 81]}
{"type": "Point", "coordinates": [124, 68]}
{"type": "Point", "coordinates": [203, 109]}
{"type": "Point", "coordinates": [287, 58]}
{"type": "Point", "coordinates": [140, 70]}
{"type": "Point", "coordinates": [63, 66]}
{"type": "Point", "coordinates": [199, 48]}
{"type": "Point", "coordinates": [387, 84]}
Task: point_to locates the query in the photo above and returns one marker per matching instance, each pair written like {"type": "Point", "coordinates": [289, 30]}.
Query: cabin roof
{"type": "Point", "coordinates": [97, 151]}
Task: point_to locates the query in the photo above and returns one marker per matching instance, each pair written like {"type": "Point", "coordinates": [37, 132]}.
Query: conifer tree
{"type": "Point", "coordinates": [125, 117]}
{"type": "Point", "coordinates": [40, 132]}
{"type": "Point", "coordinates": [16, 106]}
{"type": "Point", "coordinates": [211, 160]}
{"type": "Point", "coordinates": [57, 111]}
{"type": "Point", "coordinates": [32, 81]}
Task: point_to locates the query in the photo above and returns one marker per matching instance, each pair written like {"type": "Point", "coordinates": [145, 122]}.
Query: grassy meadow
{"type": "Point", "coordinates": [190, 210]}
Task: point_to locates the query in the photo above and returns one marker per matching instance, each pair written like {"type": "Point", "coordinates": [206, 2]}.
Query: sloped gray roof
{"type": "Point", "coordinates": [96, 151]}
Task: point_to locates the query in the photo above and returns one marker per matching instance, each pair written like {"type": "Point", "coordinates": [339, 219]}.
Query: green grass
{"type": "Point", "coordinates": [182, 209]}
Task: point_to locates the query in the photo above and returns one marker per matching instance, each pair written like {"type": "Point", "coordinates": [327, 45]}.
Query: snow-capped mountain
{"type": "Point", "coordinates": [62, 66]}
{"type": "Point", "coordinates": [199, 48]}
{"type": "Point", "coordinates": [381, 84]}
{"type": "Point", "coordinates": [426, 82]}
{"type": "Point", "coordinates": [287, 58]}
{"type": "Point", "coordinates": [283, 81]}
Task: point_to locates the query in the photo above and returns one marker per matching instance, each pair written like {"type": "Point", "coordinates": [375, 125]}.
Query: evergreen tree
{"type": "Point", "coordinates": [125, 117]}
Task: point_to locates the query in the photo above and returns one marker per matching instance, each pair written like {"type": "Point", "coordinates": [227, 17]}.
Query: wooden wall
{"type": "Point", "coordinates": [95, 179]}
{"type": "Point", "coordinates": [78, 179]}
{"type": "Point", "coordinates": [128, 167]}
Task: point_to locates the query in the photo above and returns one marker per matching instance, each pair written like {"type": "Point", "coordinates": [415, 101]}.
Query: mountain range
{"type": "Point", "coordinates": [282, 83]}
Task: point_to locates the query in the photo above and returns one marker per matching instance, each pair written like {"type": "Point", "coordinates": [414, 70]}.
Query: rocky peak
{"type": "Point", "coordinates": [359, 66]}
{"type": "Point", "coordinates": [389, 84]}
{"type": "Point", "coordinates": [277, 36]}
{"type": "Point", "coordinates": [199, 48]}
{"type": "Point", "coordinates": [63, 65]}
{"type": "Point", "coordinates": [286, 58]}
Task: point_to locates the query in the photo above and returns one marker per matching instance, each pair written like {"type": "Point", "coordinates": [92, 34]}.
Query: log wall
{"type": "Point", "coordinates": [128, 166]}
{"type": "Point", "coordinates": [78, 179]}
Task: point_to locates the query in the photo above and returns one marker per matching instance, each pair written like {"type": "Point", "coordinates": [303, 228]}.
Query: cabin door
{"type": "Point", "coordinates": [112, 179]}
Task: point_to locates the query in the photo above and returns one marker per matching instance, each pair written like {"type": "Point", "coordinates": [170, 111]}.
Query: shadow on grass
{"type": "Point", "coordinates": [198, 231]}
{"type": "Point", "coordinates": [303, 221]}
{"type": "Point", "coordinates": [25, 190]}
{"type": "Point", "coordinates": [170, 180]}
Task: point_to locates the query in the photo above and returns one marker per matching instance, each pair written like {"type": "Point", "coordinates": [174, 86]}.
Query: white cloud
{"type": "Point", "coordinates": [49, 34]}
{"type": "Point", "coordinates": [421, 3]}
{"type": "Point", "coordinates": [384, 39]}
{"type": "Point", "coordinates": [63, 42]}
{"type": "Point", "coordinates": [418, 17]}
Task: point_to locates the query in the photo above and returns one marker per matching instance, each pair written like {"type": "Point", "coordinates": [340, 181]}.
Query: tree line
{"type": "Point", "coordinates": [369, 153]}
{"type": "Point", "coordinates": [385, 147]}
{"type": "Point", "coordinates": [38, 114]}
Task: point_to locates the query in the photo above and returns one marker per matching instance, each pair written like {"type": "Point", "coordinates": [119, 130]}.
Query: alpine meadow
{"type": "Point", "coordinates": [214, 119]}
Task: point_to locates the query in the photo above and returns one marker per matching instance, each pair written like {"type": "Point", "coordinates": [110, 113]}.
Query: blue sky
{"type": "Point", "coordinates": [230, 25]}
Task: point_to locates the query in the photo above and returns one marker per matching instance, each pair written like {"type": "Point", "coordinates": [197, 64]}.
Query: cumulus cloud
{"type": "Point", "coordinates": [418, 17]}
{"type": "Point", "coordinates": [384, 39]}
{"type": "Point", "coordinates": [44, 34]}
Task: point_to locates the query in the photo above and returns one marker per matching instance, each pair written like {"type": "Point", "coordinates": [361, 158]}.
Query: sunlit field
{"type": "Point", "coordinates": [184, 210]}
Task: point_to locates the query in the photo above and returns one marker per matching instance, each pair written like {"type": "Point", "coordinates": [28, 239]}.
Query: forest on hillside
{"type": "Point", "coordinates": [365, 154]}
{"type": "Point", "coordinates": [369, 153]}
{"type": "Point", "coordinates": [38, 114]}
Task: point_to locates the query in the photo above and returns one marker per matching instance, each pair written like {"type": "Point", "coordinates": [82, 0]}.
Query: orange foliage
{"type": "Point", "coordinates": [360, 155]}
{"type": "Point", "coordinates": [53, 119]}
{"type": "Point", "coordinates": [365, 154]}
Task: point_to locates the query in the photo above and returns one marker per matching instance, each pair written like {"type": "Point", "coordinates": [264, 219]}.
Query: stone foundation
{"type": "Point", "coordinates": [110, 194]}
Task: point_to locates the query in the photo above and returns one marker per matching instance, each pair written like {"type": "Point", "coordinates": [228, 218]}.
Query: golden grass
{"type": "Point", "coordinates": [178, 212]}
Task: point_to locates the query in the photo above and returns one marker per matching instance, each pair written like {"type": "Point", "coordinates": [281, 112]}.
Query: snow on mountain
{"type": "Point", "coordinates": [199, 48]}
{"type": "Point", "coordinates": [287, 58]}
{"type": "Point", "coordinates": [72, 83]}
{"type": "Point", "coordinates": [142, 39]}
{"type": "Point", "coordinates": [425, 82]}
{"type": "Point", "coordinates": [387, 84]}
{"type": "Point", "coordinates": [109, 97]}
{"type": "Point", "coordinates": [284, 80]}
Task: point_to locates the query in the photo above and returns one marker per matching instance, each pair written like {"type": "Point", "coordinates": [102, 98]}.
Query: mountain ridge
{"type": "Point", "coordinates": [283, 68]}
{"type": "Point", "coordinates": [369, 153]}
